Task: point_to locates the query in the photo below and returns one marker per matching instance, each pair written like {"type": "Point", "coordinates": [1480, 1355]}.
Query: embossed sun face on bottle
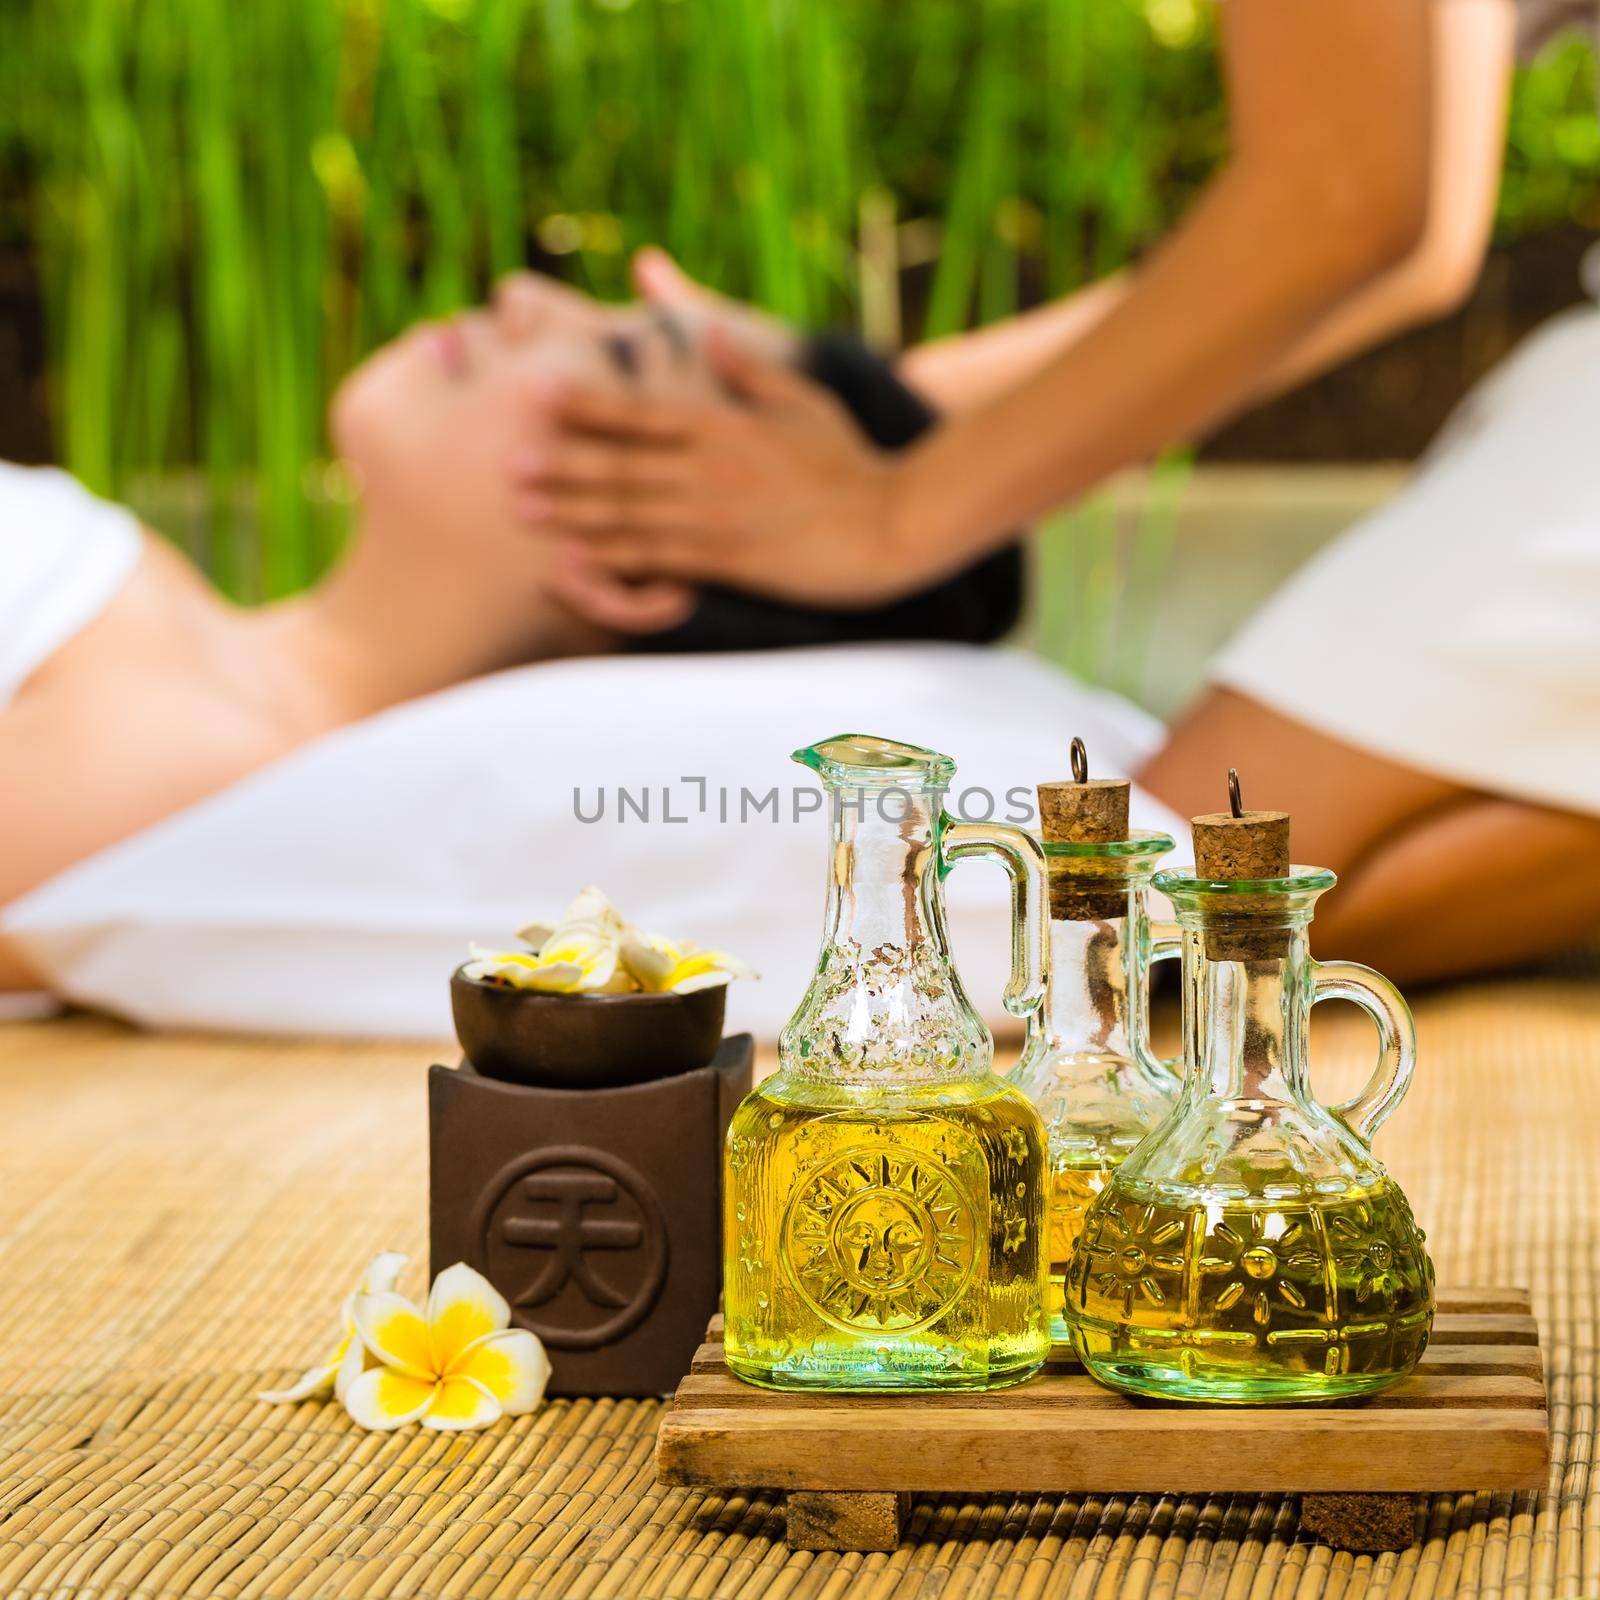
{"type": "Point", "coordinates": [879, 1237]}
{"type": "Point", "coordinates": [885, 1249]}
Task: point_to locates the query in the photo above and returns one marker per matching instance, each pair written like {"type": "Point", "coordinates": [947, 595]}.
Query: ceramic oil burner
{"type": "Point", "coordinates": [575, 1159]}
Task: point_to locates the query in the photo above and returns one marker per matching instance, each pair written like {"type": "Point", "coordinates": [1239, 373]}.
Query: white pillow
{"type": "Point", "coordinates": [334, 892]}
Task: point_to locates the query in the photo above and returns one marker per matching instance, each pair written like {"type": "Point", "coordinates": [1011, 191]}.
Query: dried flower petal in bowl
{"type": "Point", "coordinates": [593, 949]}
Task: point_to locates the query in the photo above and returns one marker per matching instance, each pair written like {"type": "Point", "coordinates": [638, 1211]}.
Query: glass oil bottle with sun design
{"type": "Point", "coordinates": [884, 1201]}
{"type": "Point", "coordinates": [1086, 1063]}
{"type": "Point", "coordinates": [1253, 1249]}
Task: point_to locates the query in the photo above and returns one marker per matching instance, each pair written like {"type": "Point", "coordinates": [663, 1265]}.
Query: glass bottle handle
{"type": "Point", "coordinates": [1397, 1039]}
{"type": "Point", "coordinates": [1154, 947]}
{"type": "Point", "coordinates": [1020, 855]}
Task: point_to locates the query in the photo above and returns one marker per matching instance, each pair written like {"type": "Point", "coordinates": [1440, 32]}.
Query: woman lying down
{"type": "Point", "coordinates": [210, 809]}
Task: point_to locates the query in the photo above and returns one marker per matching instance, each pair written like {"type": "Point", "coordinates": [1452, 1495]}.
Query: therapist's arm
{"type": "Point", "coordinates": [1471, 43]}
{"type": "Point", "coordinates": [1326, 189]}
{"type": "Point", "coordinates": [1473, 48]}
{"type": "Point", "coordinates": [963, 371]}
{"type": "Point", "coordinates": [1327, 193]}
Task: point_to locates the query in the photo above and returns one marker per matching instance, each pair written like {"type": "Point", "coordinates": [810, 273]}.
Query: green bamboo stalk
{"type": "Point", "coordinates": [222, 284]}
{"type": "Point", "coordinates": [702, 197]}
{"type": "Point", "coordinates": [1065, 178]}
{"type": "Point", "coordinates": [972, 200]}
{"type": "Point", "coordinates": [997, 284]}
{"type": "Point", "coordinates": [385, 157]}
{"type": "Point", "coordinates": [649, 75]}
{"type": "Point", "coordinates": [1122, 218]}
{"type": "Point", "coordinates": [762, 175]}
{"type": "Point", "coordinates": [283, 545]}
{"type": "Point", "coordinates": [828, 87]}
{"type": "Point", "coordinates": [97, 331]}
{"type": "Point", "coordinates": [445, 278]}
{"type": "Point", "coordinates": [493, 122]}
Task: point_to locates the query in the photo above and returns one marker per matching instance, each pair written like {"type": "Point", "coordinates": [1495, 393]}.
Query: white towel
{"type": "Point", "coordinates": [63, 555]}
{"type": "Point", "coordinates": [335, 892]}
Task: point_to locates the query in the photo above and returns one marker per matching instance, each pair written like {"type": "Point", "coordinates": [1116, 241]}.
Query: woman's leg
{"type": "Point", "coordinates": [1482, 884]}
{"type": "Point", "coordinates": [1439, 880]}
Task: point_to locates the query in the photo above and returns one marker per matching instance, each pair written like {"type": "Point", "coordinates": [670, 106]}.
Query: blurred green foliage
{"type": "Point", "coordinates": [228, 201]}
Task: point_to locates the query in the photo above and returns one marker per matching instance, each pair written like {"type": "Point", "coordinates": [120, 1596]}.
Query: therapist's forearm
{"type": "Point", "coordinates": [1470, 49]}
{"type": "Point", "coordinates": [1198, 334]}
{"type": "Point", "coordinates": [965, 371]}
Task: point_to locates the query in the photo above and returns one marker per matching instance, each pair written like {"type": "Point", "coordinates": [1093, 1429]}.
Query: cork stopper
{"type": "Point", "coordinates": [1084, 811]}
{"type": "Point", "coordinates": [1234, 844]}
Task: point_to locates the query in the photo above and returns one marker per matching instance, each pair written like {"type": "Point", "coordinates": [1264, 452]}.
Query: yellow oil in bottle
{"type": "Point", "coordinates": [1073, 1189]}
{"type": "Point", "coordinates": [1287, 1294]}
{"type": "Point", "coordinates": [873, 1242]}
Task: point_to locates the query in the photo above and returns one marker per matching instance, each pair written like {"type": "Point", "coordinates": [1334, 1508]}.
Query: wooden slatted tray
{"type": "Point", "coordinates": [1472, 1416]}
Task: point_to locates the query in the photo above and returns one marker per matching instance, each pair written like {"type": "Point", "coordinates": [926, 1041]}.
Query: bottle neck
{"type": "Point", "coordinates": [1245, 1023]}
{"type": "Point", "coordinates": [882, 860]}
{"type": "Point", "coordinates": [1086, 1009]}
{"type": "Point", "coordinates": [885, 1010]}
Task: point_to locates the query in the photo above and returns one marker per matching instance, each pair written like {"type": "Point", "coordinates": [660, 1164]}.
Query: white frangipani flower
{"type": "Point", "coordinates": [521, 970]}
{"type": "Point", "coordinates": [660, 965]}
{"type": "Point", "coordinates": [593, 949]}
{"type": "Point", "coordinates": [589, 909]}
{"type": "Point", "coordinates": [461, 1365]}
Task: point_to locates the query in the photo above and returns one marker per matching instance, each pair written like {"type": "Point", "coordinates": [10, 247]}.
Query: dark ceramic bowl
{"type": "Point", "coordinates": [584, 1041]}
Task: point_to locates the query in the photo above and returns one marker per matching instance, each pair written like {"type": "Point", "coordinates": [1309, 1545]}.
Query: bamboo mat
{"type": "Point", "coordinates": [180, 1217]}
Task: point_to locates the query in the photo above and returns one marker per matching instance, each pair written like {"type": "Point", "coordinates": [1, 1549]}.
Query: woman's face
{"type": "Point", "coordinates": [431, 424]}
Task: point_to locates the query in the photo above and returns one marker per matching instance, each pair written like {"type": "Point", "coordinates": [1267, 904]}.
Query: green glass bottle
{"type": "Point", "coordinates": [1253, 1249]}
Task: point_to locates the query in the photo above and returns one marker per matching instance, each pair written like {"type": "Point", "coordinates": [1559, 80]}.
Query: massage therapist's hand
{"type": "Point", "coordinates": [776, 493]}
{"type": "Point", "coordinates": [664, 285]}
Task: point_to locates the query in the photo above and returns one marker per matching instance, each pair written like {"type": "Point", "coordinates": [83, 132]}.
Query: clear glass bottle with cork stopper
{"type": "Point", "coordinates": [1086, 1063]}
{"type": "Point", "coordinates": [1253, 1249]}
